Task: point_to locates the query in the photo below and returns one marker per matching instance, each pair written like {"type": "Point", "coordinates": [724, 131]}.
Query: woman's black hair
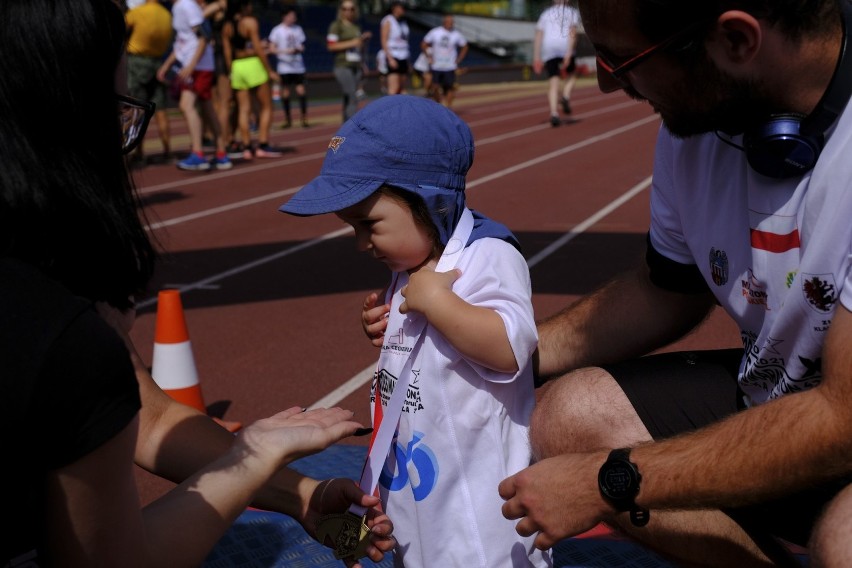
{"type": "Point", "coordinates": [67, 202]}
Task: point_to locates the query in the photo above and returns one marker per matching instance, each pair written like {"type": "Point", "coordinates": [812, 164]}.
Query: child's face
{"type": "Point", "coordinates": [385, 228]}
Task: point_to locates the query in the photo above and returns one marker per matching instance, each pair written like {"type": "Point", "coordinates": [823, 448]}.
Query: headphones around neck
{"type": "Point", "coordinates": [789, 145]}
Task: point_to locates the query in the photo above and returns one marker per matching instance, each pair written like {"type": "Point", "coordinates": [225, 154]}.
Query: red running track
{"type": "Point", "coordinates": [272, 301]}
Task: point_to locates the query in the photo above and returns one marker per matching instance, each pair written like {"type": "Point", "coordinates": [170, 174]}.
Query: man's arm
{"type": "Point", "coordinates": [627, 317]}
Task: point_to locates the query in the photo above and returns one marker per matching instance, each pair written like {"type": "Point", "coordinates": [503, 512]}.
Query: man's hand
{"type": "Point", "coordinates": [557, 497]}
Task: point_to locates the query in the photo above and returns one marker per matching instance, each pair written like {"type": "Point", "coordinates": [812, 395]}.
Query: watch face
{"type": "Point", "coordinates": [618, 480]}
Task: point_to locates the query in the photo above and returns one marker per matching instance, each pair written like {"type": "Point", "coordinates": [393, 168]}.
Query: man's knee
{"type": "Point", "coordinates": [581, 411]}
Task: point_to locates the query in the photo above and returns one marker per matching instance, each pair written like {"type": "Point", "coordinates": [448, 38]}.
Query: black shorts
{"type": "Point", "coordinates": [401, 67]}
{"type": "Point", "coordinates": [292, 79]}
{"type": "Point", "coordinates": [552, 66]}
{"type": "Point", "coordinates": [445, 79]}
{"type": "Point", "coordinates": [681, 392]}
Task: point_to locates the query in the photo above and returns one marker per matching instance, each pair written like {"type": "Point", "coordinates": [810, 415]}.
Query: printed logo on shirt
{"type": "Point", "coordinates": [719, 266]}
{"type": "Point", "coordinates": [819, 291]}
{"type": "Point", "coordinates": [754, 291]}
{"type": "Point", "coordinates": [414, 464]}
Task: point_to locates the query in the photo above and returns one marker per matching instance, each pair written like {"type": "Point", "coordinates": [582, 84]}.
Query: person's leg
{"type": "Point", "coordinates": [243, 119]}
{"type": "Point", "coordinates": [633, 403]}
{"type": "Point", "coordinates": [830, 545]}
{"type": "Point", "coordinates": [263, 92]}
{"type": "Point", "coordinates": [303, 103]}
{"type": "Point", "coordinates": [348, 85]}
{"type": "Point", "coordinates": [193, 119]}
{"type": "Point", "coordinates": [164, 130]}
{"type": "Point", "coordinates": [568, 85]}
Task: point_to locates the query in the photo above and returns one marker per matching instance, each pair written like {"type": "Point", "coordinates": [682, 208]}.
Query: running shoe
{"type": "Point", "coordinates": [566, 106]}
{"type": "Point", "coordinates": [222, 162]}
{"type": "Point", "coordinates": [554, 120]}
{"type": "Point", "coordinates": [194, 163]}
{"type": "Point", "coordinates": [235, 150]}
{"type": "Point", "coordinates": [266, 151]}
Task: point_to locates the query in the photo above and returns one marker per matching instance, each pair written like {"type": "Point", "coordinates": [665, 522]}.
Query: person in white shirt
{"type": "Point", "coordinates": [553, 52]}
{"type": "Point", "coordinates": [445, 48]}
{"type": "Point", "coordinates": [453, 389]}
{"type": "Point", "coordinates": [395, 37]}
{"type": "Point", "coordinates": [287, 42]}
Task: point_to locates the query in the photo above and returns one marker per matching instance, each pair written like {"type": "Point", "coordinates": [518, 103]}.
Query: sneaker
{"type": "Point", "coordinates": [566, 106]}
{"type": "Point", "coordinates": [222, 162]}
{"type": "Point", "coordinates": [235, 150]}
{"type": "Point", "coordinates": [266, 151]}
{"type": "Point", "coordinates": [287, 124]}
{"type": "Point", "coordinates": [194, 163]}
{"type": "Point", "coordinates": [247, 155]}
{"type": "Point", "coordinates": [554, 120]}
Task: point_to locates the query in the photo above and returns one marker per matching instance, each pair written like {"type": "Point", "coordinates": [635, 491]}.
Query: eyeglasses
{"type": "Point", "coordinates": [617, 71]}
{"type": "Point", "coordinates": [134, 115]}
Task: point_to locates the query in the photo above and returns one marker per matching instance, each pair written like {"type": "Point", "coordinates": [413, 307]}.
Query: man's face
{"type": "Point", "coordinates": [692, 98]}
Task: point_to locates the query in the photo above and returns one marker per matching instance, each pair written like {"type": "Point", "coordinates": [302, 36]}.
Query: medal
{"type": "Point", "coordinates": [348, 532]}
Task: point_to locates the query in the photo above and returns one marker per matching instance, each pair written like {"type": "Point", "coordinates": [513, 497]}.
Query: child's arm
{"type": "Point", "coordinates": [476, 332]}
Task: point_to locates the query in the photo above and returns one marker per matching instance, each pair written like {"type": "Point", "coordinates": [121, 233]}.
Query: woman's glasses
{"type": "Point", "coordinates": [134, 115]}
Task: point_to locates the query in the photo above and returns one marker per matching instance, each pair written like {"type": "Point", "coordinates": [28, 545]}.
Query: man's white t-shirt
{"type": "Point", "coordinates": [776, 253]}
{"type": "Point", "coordinates": [555, 24]}
{"type": "Point", "coordinates": [463, 429]}
{"type": "Point", "coordinates": [288, 37]}
{"type": "Point", "coordinates": [445, 47]}
{"type": "Point", "coordinates": [186, 15]}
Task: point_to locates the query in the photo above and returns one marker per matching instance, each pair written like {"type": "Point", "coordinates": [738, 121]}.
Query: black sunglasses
{"type": "Point", "coordinates": [134, 115]}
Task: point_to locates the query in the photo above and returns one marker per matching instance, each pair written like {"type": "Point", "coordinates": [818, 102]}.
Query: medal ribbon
{"type": "Point", "coordinates": [411, 329]}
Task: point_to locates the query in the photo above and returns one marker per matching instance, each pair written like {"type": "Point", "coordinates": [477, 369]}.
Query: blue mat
{"type": "Point", "coordinates": [260, 539]}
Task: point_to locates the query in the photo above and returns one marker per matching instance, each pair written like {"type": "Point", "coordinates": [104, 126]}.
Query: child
{"type": "Point", "coordinates": [454, 375]}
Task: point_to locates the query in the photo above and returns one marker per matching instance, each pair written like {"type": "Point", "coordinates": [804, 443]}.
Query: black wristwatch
{"type": "Point", "coordinates": [618, 481]}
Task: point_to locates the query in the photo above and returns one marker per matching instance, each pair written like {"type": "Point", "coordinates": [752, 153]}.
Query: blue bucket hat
{"type": "Point", "coordinates": [407, 142]}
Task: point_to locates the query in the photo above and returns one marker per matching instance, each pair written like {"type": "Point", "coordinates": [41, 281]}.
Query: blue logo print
{"type": "Point", "coordinates": [425, 465]}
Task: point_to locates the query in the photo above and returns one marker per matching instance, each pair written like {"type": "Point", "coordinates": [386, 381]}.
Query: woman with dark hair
{"type": "Point", "coordinates": [77, 403]}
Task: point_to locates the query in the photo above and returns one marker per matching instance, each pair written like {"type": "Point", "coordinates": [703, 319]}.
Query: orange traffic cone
{"type": "Point", "coordinates": [173, 365]}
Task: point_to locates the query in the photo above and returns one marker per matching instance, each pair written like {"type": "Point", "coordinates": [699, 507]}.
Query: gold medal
{"type": "Point", "coordinates": [348, 532]}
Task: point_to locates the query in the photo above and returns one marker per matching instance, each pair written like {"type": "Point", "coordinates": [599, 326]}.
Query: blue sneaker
{"type": "Point", "coordinates": [194, 163]}
{"type": "Point", "coordinates": [222, 163]}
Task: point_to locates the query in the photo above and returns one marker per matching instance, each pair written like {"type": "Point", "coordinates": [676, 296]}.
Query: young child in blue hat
{"type": "Point", "coordinates": [453, 391]}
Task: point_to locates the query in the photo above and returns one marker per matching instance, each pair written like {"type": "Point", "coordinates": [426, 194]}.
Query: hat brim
{"type": "Point", "coordinates": [328, 194]}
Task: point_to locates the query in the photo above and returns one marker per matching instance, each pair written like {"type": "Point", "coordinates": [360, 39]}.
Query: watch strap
{"type": "Point", "coordinates": [639, 516]}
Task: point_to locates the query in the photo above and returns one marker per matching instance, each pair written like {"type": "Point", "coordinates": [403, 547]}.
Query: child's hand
{"type": "Point", "coordinates": [426, 287]}
{"type": "Point", "coordinates": [374, 319]}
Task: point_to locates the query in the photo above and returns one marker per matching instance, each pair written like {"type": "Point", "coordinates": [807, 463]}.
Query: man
{"type": "Point", "coordinates": [553, 51]}
{"type": "Point", "coordinates": [445, 48]}
{"type": "Point", "coordinates": [150, 27]}
{"type": "Point", "coordinates": [193, 51]}
{"type": "Point", "coordinates": [723, 453]}
{"type": "Point", "coordinates": [394, 37]}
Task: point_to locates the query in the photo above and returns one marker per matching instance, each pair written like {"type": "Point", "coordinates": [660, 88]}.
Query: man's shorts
{"type": "Point", "coordinates": [142, 80]}
{"type": "Point", "coordinates": [292, 79]}
{"type": "Point", "coordinates": [445, 79]}
{"type": "Point", "coordinates": [552, 66]}
{"type": "Point", "coordinates": [680, 392]}
{"type": "Point", "coordinates": [401, 67]}
{"type": "Point", "coordinates": [248, 73]}
{"type": "Point", "coordinates": [201, 84]}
